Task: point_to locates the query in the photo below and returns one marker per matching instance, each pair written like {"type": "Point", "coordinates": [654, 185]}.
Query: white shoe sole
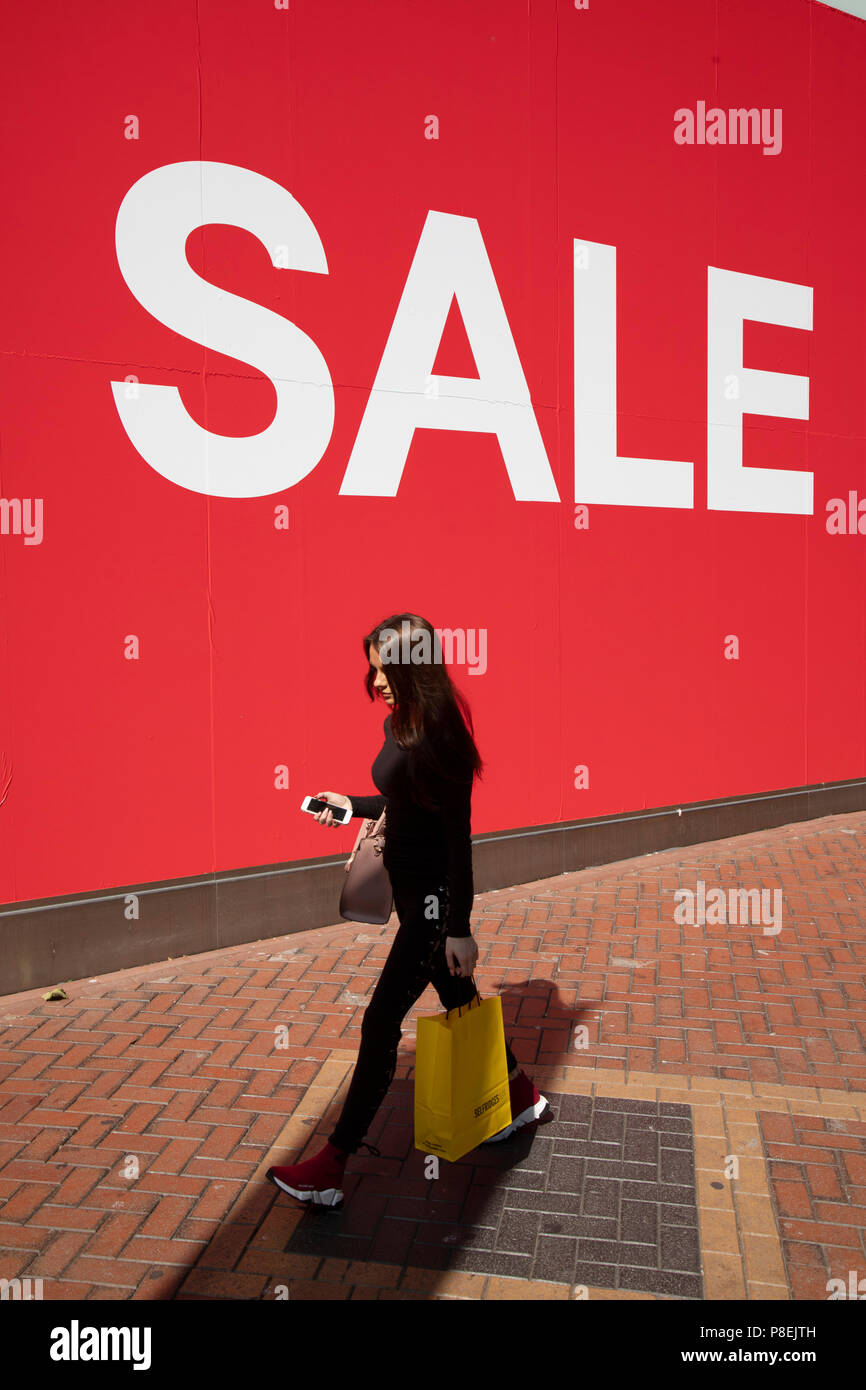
{"type": "Point", "coordinates": [526, 1117]}
{"type": "Point", "coordinates": [330, 1197]}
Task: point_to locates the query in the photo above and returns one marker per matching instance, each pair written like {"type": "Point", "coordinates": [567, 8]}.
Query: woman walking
{"type": "Point", "coordinates": [424, 772]}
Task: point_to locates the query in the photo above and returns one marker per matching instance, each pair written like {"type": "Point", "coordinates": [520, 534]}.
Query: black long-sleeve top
{"type": "Point", "coordinates": [418, 840]}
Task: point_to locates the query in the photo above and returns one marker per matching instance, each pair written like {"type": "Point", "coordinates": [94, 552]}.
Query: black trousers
{"type": "Point", "coordinates": [416, 959]}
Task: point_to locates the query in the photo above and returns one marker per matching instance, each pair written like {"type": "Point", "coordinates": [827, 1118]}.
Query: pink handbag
{"type": "Point", "coordinates": [367, 895]}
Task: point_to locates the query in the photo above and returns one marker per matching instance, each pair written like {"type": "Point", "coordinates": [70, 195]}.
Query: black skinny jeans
{"type": "Point", "coordinates": [416, 959]}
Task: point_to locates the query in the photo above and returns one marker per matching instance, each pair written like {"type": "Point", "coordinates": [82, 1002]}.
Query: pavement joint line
{"type": "Point", "coordinates": [779, 1098]}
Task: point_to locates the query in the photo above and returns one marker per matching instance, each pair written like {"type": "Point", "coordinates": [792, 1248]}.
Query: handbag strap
{"type": "Point", "coordinates": [369, 830]}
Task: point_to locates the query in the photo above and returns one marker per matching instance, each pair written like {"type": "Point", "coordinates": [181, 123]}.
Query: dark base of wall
{"type": "Point", "coordinates": [53, 940]}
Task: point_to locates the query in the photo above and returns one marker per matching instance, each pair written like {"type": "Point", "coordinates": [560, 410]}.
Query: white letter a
{"type": "Point", "coordinates": [450, 261]}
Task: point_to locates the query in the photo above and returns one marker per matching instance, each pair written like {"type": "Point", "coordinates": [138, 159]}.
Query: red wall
{"type": "Point", "coordinates": [607, 643]}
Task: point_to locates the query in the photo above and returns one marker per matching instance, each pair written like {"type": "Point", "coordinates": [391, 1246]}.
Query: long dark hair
{"type": "Point", "coordinates": [431, 717]}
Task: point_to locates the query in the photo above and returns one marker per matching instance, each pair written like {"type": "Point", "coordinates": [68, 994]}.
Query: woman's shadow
{"type": "Point", "coordinates": [410, 1208]}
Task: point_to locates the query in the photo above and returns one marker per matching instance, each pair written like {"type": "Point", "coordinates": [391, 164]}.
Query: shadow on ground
{"type": "Point", "coordinates": [603, 1194]}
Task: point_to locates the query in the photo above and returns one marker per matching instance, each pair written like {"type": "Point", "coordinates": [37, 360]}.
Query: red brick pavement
{"type": "Point", "coordinates": [137, 1116]}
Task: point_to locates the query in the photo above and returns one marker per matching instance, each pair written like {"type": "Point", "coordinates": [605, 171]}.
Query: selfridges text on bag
{"type": "Point", "coordinates": [367, 895]}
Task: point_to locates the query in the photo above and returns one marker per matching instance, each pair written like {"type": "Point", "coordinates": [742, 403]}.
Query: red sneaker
{"type": "Point", "coordinates": [319, 1180]}
{"type": "Point", "coordinates": [528, 1107]}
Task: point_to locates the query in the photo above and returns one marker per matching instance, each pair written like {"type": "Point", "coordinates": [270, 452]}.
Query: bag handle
{"type": "Point", "coordinates": [368, 831]}
{"type": "Point", "coordinates": [472, 1002]}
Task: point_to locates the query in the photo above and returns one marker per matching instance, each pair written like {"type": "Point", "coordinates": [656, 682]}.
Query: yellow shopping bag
{"type": "Point", "coordinates": [461, 1079]}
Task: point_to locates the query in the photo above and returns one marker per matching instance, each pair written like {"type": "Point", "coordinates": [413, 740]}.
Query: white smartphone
{"type": "Point", "coordinates": [342, 815]}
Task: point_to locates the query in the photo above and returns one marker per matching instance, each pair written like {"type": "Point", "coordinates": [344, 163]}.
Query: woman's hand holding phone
{"type": "Point", "coordinates": [327, 817]}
